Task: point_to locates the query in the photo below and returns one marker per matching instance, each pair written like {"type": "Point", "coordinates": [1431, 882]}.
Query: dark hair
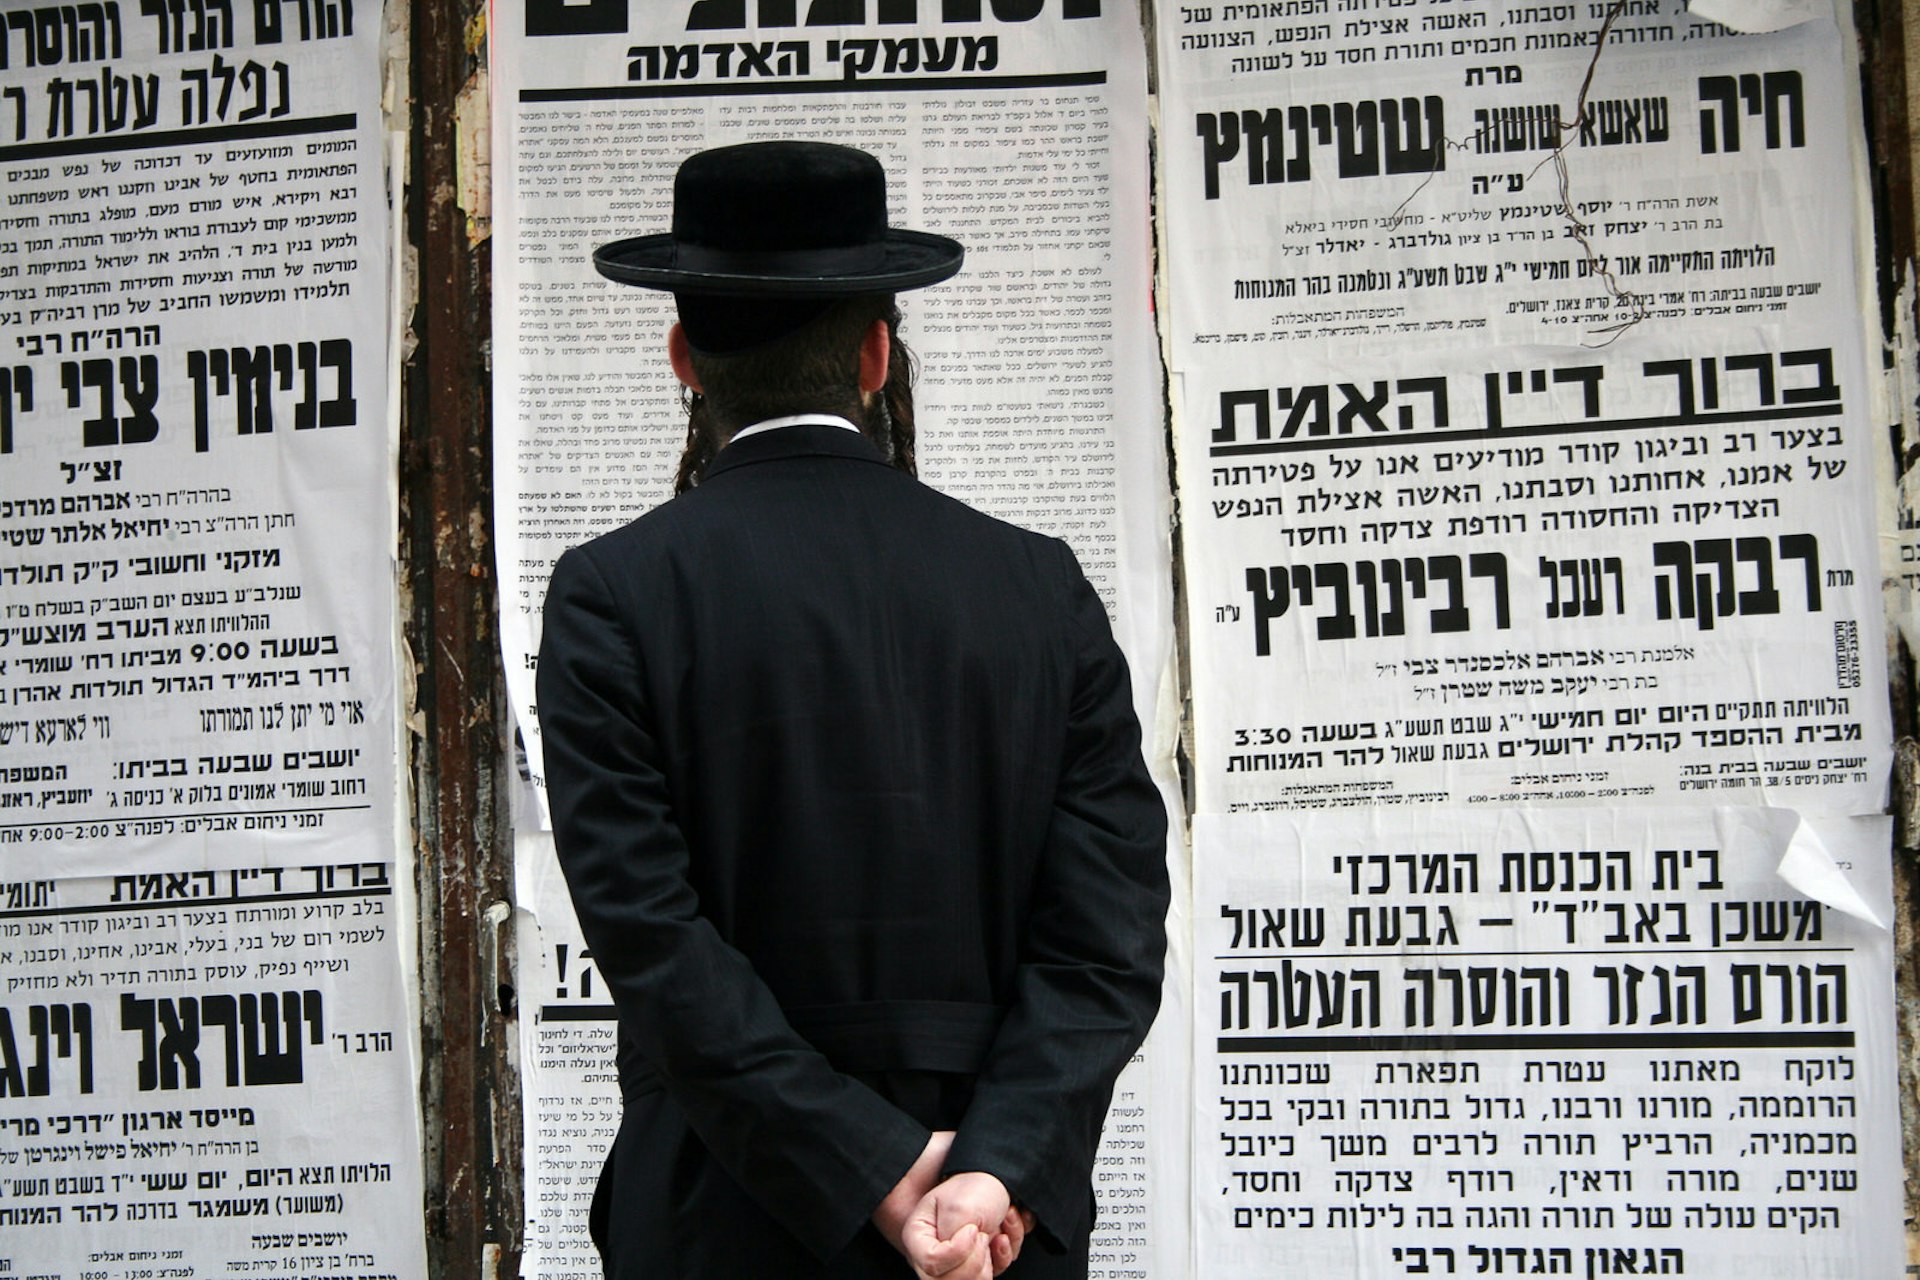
{"type": "Point", "coordinates": [814, 369]}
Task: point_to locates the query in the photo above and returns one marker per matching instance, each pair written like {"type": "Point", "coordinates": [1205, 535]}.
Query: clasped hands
{"type": "Point", "coordinates": [957, 1228]}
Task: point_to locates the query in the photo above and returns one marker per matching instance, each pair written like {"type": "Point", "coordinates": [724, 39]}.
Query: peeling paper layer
{"type": "Point", "coordinates": [1809, 866]}
{"type": "Point", "coordinates": [1756, 16]}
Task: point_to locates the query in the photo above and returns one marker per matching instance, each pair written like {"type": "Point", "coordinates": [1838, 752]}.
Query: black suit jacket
{"type": "Point", "coordinates": [846, 783]}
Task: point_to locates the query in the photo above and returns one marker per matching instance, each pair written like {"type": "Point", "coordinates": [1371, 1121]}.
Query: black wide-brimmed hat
{"type": "Point", "coordinates": [780, 220]}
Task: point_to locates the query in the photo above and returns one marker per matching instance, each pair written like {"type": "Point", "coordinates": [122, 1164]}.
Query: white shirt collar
{"type": "Point", "coordinates": [795, 420]}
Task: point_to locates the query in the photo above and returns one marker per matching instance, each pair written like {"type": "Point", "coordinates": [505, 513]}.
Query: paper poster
{"type": "Point", "coordinates": [189, 1061]}
{"type": "Point", "coordinates": [571, 1107]}
{"type": "Point", "coordinates": [1018, 129]}
{"type": "Point", "coordinates": [1560, 1042]}
{"type": "Point", "coordinates": [570, 1099]}
{"type": "Point", "coordinates": [1524, 426]}
{"type": "Point", "coordinates": [196, 510]}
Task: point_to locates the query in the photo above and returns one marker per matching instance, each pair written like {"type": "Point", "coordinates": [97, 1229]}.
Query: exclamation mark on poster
{"type": "Point", "coordinates": [560, 950]}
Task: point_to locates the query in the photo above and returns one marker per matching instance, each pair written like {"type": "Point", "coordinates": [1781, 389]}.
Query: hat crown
{"type": "Point", "coordinates": [764, 197]}
{"type": "Point", "coordinates": [785, 218]}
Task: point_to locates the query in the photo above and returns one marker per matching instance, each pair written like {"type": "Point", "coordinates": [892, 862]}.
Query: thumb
{"type": "Point", "coordinates": [932, 1256]}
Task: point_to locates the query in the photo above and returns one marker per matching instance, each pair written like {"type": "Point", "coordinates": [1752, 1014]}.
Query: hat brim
{"type": "Point", "coordinates": [909, 260]}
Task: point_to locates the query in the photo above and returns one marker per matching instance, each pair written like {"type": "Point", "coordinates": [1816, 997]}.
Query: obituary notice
{"type": "Point", "coordinates": [1019, 129]}
{"type": "Point", "coordinates": [1566, 1042]}
{"type": "Point", "coordinates": [191, 1067]}
{"type": "Point", "coordinates": [1525, 425]}
{"type": "Point", "coordinates": [196, 510]}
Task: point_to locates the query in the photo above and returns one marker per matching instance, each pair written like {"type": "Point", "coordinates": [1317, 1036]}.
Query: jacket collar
{"type": "Point", "coordinates": [804, 440]}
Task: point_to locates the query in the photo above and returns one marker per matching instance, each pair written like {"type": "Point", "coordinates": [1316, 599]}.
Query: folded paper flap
{"type": "Point", "coordinates": [1755, 16]}
{"type": "Point", "coordinates": [1810, 868]}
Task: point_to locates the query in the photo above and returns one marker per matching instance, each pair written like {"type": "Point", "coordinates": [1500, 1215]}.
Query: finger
{"type": "Point", "coordinates": [979, 1265]}
{"type": "Point", "coordinates": [941, 1258]}
{"type": "Point", "coordinates": [1015, 1229]}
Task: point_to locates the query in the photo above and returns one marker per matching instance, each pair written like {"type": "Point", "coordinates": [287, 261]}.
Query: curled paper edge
{"type": "Point", "coordinates": [1757, 16]}
{"type": "Point", "coordinates": [1809, 867]}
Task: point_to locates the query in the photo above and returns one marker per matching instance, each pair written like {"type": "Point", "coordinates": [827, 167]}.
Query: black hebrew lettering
{"type": "Point", "coordinates": [731, 15]}
{"type": "Point", "coordinates": [318, 19]}
{"type": "Point", "coordinates": [113, 102]}
{"type": "Point", "coordinates": [1678, 993]}
{"type": "Point", "coordinates": [1766, 921]}
{"type": "Point", "coordinates": [1414, 926]}
{"type": "Point", "coordinates": [252, 374]}
{"type": "Point", "coordinates": [1483, 995]}
{"type": "Point", "coordinates": [1759, 95]}
{"type": "Point", "coordinates": [1311, 409]}
{"type": "Point", "coordinates": [1528, 128]}
{"type": "Point", "coordinates": [860, 57]}
{"type": "Point", "coordinates": [1617, 122]}
{"type": "Point", "coordinates": [1384, 588]}
{"type": "Point", "coordinates": [1542, 382]}
{"type": "Point", "coordinates": [16, 389]}
{"type": "Point", "coordinates": [191, 26]}
{"type": "Point", "coordinates": [58, 1032]}
{"type": "Point", "coordinates": [55, 34]}
{"type": "Point", "coordinates": [784, 58]}
{"type": "Point", "coordinates": [1790, 993]}
{"type": "Point", "coordinates": [1583, 583]}
{"type": "Point", "coordinates": [139, 388]}
{"type": "Point", "coordinates": [1390, 136]}
{"type": "Point", "coordinates": [1425, 873]}
{"type": "Point", "coordinates": [263, 1040]}
{"type": "Point", "coordinates": [1296, 996]}
{"type": "Point", "coordinates": [209, 94]}
{"type": "Point", "coordinates": [1269, 928]}
{"type": "Point", "coordinates": [561, 18]}
{"type": "Point", "coordinates": [1708, 596]}
{"type": "Point", "coordinates": [1701, 391]}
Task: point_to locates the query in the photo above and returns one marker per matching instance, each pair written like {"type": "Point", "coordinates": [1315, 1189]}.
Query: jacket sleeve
{"type": "Point", "coordinates": [1089, 981]}
{"type": "Point", "coordinates": [816, 1148]}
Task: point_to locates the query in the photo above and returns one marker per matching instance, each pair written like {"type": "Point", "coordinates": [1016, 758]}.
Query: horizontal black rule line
{"type": "Point", "coordinates": [743, 88]}
{"type": "Point", "coordinates": [1296, 444]}
{"type": "Point", "coordinates": [1641, 1040]}
{"type": "Point", "coordinates": [1535, 957]}
{"type": "Point", "coordinates": [179, 137]}
{"type": "Point", "coordinates": [578, 1013]}
{"type": "Point", "coordinates": [198, 904]}
{"type": "Point", "coordinates": [122, 820]}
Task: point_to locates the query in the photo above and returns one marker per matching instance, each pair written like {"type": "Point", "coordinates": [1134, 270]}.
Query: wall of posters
{"type": "Point", "coordinates": [1524, 435]}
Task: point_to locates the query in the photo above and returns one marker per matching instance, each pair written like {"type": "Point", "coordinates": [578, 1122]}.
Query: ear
{"type": "Point", "coordinates": [874, 350]}
{"type": "Point", "coordinates": [680, 355]}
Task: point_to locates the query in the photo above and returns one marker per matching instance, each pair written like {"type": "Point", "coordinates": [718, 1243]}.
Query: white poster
{"type": "Point", "coordinates": [1561, 1042]}
{"type": "Point", "coordinates": [196, 507]}
{"type": "Point", "coordinates": [571, 1104]}
{"type": "Point", "coordinates": [207, 1074]}
{"type": "Point", "coordinates": [1019, 129]}
{"type": "Point", "coordinates": [1524, 420]}
{"type": "Point", "coordinates": [570, 1095]}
